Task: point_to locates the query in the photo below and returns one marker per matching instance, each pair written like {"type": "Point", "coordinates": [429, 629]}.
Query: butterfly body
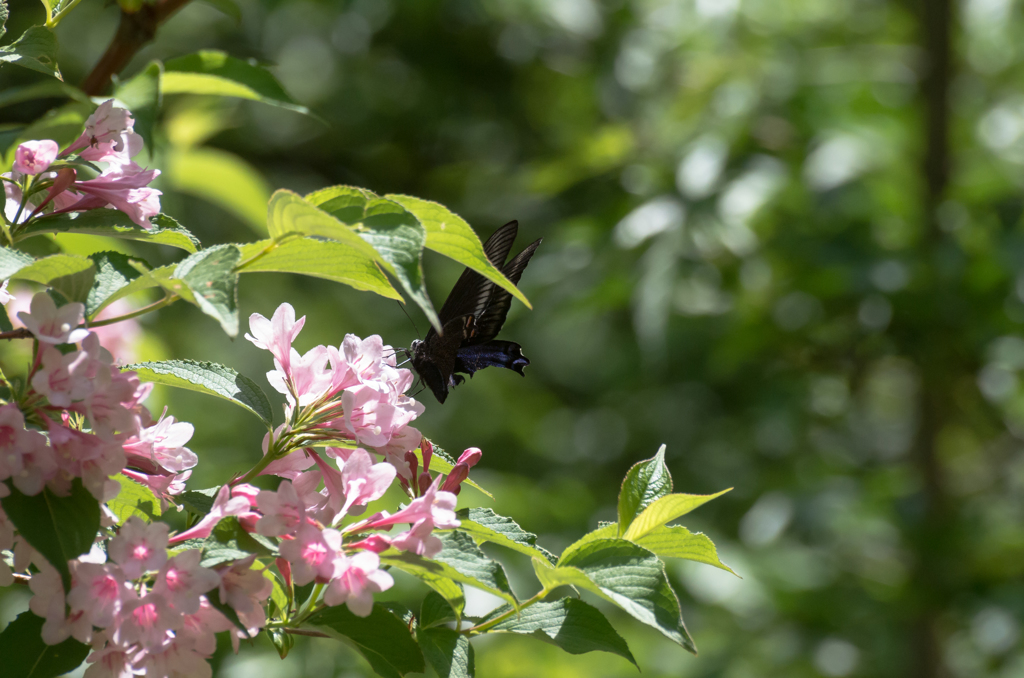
{"type": "Point", "coordinates": [471, 318]}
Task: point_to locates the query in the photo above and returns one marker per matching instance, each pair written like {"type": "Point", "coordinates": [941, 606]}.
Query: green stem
{"type": "Point", "coordinates": [53, 21]}
{"type": "Point", "coordinates": [482, 628]}
{"type": "Point", "coordinates": [166, 301]}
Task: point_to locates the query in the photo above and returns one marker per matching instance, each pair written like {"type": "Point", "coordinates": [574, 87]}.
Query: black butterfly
{"type": "Point", "coordinates": [471, 318]}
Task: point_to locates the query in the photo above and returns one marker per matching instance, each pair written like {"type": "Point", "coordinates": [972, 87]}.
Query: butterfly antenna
{"type": "Point", "coordinates": [416, 329]}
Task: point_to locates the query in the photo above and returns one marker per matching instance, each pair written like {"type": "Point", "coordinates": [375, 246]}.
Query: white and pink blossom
{"type": "Point", "coordinates": [34, 157]}
{"type": "Point", "coordinates": [139, 547]}
{"type": "Point", "coordinates": [355, 580]}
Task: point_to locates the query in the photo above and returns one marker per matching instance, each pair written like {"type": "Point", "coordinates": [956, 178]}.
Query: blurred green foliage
{"type": "Point", "coordinates": [755, 251]}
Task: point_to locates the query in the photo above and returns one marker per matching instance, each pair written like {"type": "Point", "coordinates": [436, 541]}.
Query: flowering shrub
{"type": "Point", "coordinates": [90, 480]}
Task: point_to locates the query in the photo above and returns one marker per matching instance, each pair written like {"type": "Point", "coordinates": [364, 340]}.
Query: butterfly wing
{"type": "Point", "coordinates": [492, 316]}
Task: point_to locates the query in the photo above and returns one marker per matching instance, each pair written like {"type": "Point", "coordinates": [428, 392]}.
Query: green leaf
{"type": "Point", "coordinates": [69, 274]}
{"type": "Point", "coordinates": [450, 235]}
{"type": "Point", "coordinates": [289, 213]}
{"type": "Point", "coordinates": [448, 652]}
{"type": "Point", "coordinates": [317, 258]}
{"type": "Point", "coordinates": [485, 525]}
{"type": "Point", "coordinates": [199, 501]}
{"type": "Point", "coordinates": [462, 554]}
{"type": "Point", "coordinates": [433, 573]}
{"type": "Point", "coordinates": [231, 9]}
{"type": "Point", "coordinates": [44, 89]}
{"type": "Point", "coordinates": [12, 261]}
{"type": "Point", "coordinates": [158, 277]}
{"type": "Point", "coordinates": [229, 542]}
{"type": "Point", "coordinates": [629, 576]}
{"type": "Point", "coordinates": [211, 276]}
{"type": "Point", "coordinates": [141, 95]}
{"type": "Point", "coordinates": [436, 610]}
{"type": "Point", "coordinates": [113, 272]}
{"type": "Point", "coordinates": [222, 178]}
{"type": "Point", "coordinates": [213, 72]}
{"type": "Point", "coordinates": [678, 542]}
{"type": "Point", "coordinates": [209, 378]}
{"type": "Point", "coordinates": [382, 637]}
{"type": "Point", "coordinates": [645, 482]}
{"type": "Point", "coordinates": [391, 229]}
{"type": "Point", "coordinates": [27, 656]}
{"type": "Point", "coordinates": [571, 624]}
{"type": "Point", "coordinates": [112, 223]}
{"type": "Point", "coordinates": [4, 14]}
{"type": "Point", "coordinates": [665, 510]}
{"type": "Point", "coordinates": [35, 49]}
{"type": "Point", "coordinates": [60, 528]}
{"type": "Point", "coordinates": [134, 499]}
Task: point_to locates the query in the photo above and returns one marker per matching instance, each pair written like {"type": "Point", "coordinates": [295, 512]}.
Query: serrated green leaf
{"type": "Point", "coordinates": [69, 274]}
{"type": "Point", "coordinates": [210, 378]}
{"type": "Point", "coordinates": [199, 502]}
{"type": "Point", "coordinates": [448, 652]}
{"type": "Point", "coordinates": [27, 656]}
{"type": "Point", "coordinates": [134, 499]}
{"type": "Point", "coordinates": [4, 14]}
{"type": "Point", "coordinates": [60, 528]}
{"type": "Point", "coordinates": [289, 213]}
{"type": "Point", "coordinates": [436, 610]}
{"type": "Point", "coordinates": [12, 261]}
{"type": "Point", "coordinates": [462, 554]}
{"type": "Point", "coordinates": [390, 228]}
{"type": "Point", "coordinates": [571, 624]}
{"type": "Point", "coordinates": [113, 273]}
{"type": "Point", "coordinates": [644, 483]}
{"type": "Point", "coordinates": [383, 638]}
{"type": "Point", "coordinates": [629, 576]}
{"type": "Point", "coordinates": [44, 89]}
{"type": "Point", "coordinates": [158, 277]}
{"type": "Point", "coordinates": [222, 178]}
{"type": "Point", "coordinates": [112, 223]}
{"type": "Point", "coordinates": [434, 572]}
{"type": "Point", "coordinates": [678, 542]}
{"type": "Point", "coordinates": [36, 49]}
{"type": "Point", "coordinates": [216, 73]}
{"type": "Point", "coordinates": [229, 542]}
{"type": "Point", "coordinates": [317, 258]}
{"type": "Point", "coordinates": [211, 276]}
{"type": "Point", "coordinates": [450, 235]}
{"type": "Point", "coordinates": [665, 510]}
{"type": "Point", "coordinates": [485, 525]}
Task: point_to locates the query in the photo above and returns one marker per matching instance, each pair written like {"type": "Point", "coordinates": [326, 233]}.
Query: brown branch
{"type": "Point", "coordinates": [20, 333]}
{"type": "Point", "coordinates": [134, 31]}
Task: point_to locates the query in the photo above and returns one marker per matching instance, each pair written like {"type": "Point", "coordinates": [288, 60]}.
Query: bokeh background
{"type": "Point", "coordinates": [782, 237]}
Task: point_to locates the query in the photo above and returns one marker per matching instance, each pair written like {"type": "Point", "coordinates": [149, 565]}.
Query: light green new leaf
{"type": "Point", "coordinates": [213, 72]}
{"type": "Point", "coordinates": [678, 542]}
{"type": "Point", "coordinates": [134, 499]}
{"type": "Point", "coordinates": [645, 482]}
{"type": "Point", "coordinates": [209, 378]}
{"type": "Point", "coordinates": [69, 274]}
{"type": "Point", "coordinates": [382, 637]}
{"type": "Point", "coordinates": [114, 224]}
{"type": "Point", "coordinates": [210, 275]}
{"type": "Point", "coordinates": [36, 49]}
{"type": "Point", "coordinates": [484, 525]}
{"type": "Point", "coordinates": [463, 555]}
{"type": "Point", "coordinates": [448, 652]}
{"type": "Point", "coordinates": [317, 258]}
{"type": "Point", "coordinates": [27, 656]}
{"type": "Point", "coordinates": [450, 235]}
{"type": "Point", "coordinates": [631, 577]}
{"type": "Point", "coordinates": [44, 89]}
{"type": "Point", "coordinates": [610, 531]}
{"type": "Point", "coordinates": [222, 178]}
{"type": "Point", "coordinates": [571, 624]}
{"type": "Point", "coordinates": [392, 230]}
{"type": "Point", "coordinates": [665, 510]}
{"type": "Point", "coordinates": [12, 261]}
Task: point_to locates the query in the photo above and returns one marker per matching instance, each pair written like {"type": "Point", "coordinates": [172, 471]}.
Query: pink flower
{"type": "Point", "coordinates": [33, 157]}
{"type": "Point", "coordinates": [139, 547]}
{"type": "Point", "coordinates": [182, 581]}
{"type": "Point", "coordinates": [371, 416]}
{"type": "Point", "coordinates": [363, 481]}
{"type": "Point", "coordinates": [179, 659]}
{"type": "Point", "coordinates": [306, 378]}
{"type": "Point", "coordinates": [436, 506]}
{"type": "Point", "coordinates": [419, 540]}
{"type": "Point", "coordinates": [378, 543]}
{"type": "Point", "coordinates": [355, 581]}
{"type": "Point", "coordinates": [25, 457]}
{"type": "Point", "coordinates": [312, 553]}
{"type": "Point", "coordinates": [147, 621]}
{"type": "Point", "coordinates": [224, 505]}
{"type": "Point", "coordinates": [288, 466]}
{"type": "Point", "coordinates": [85, 456]}
{"type": "Point", "coordinates": [277, 334]}
{"type": "Point", "coordinates": [469, 458]}
{"type": "Point", "coordinates": [48, 603]}
{"type": "Point", "coordinates": [163, 486]}
{"type": "Point", "coordinates": [283, 511]}
{"type": "Point", "coordinates": [108, 135]}
{"type": "Point", "coordinates": [110, 661]}
{"type": "Point", "coordinates": [123, 187]}
{"type": "Point", "coordinates": [51, 325]}
{"type": "Point", "coordinates": [242, 587]}
{"type": "Point", "coordinates": [98, 591]}
{"type": "Point", "coordinates": [114, 404]}
{"type": "Point", "coordinates": [64, 378]}
{"type": "Point", "coordinates": [162, 446]}
{"type": "Point", "coordinates": [199, 628]}
{"type": "Point", "coordinates": [405, 439]}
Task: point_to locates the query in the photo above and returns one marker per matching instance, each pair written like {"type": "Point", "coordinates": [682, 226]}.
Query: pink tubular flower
{"type": "Point", "coordinates": [161, 447]}
{"type": "Point", "coordinates": [419, 539]}
{"type": "Point", "coordinates": [139, 547]}
{"type": "Point", "coordinates": [373, 417]}
{"type": "Point", "coordinates": [25, 457]}
{"type": "Point", "coordinates": [283, 511]}
{"type": "Point", "coordinates": [363, 481]}
{"type": "Point", "coordinates": [107, 131]}
{"type": "Point", "coordinates": [51, 325]}
{"type": "Point", "coordinates": [148, 621]}
{"type": "Point", "coordinates": [306, 377]}
{"type": "Point", "coordinates": [163, 486]}
{"type": "Point", "coordinates": [288, 466]}
{"type": "Point", "coordinates": [435, 506]}
{"type": "Point", "coordinates": [123, 187]}
{"type": "Point", "coordinates": [277, 334]}
{"type": "Point", "coordinates": [85, 456]}
{"type": "Point", "coordinates": [98, 591]}
{"type": "Point", "coordinates": [182, 581]}
{"type": "Point", "coordinates": [224, 505]}
{"type": "Point", "coordinates": [63, 378]}
{"type": "Point", "coordinates": [48, 603]}
{"type": "Point", "coordinates": [468, 459]}
{"type": "Point", "coordinates": [242, 587]}
{"type": "Point", "coordinates": [312, 553]}
{"type": "Point", "coordinates": [33, 157]}
{"type": "Point", "coordinates": [355, 581]}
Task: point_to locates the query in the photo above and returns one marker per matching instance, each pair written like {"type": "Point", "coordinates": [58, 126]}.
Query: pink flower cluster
{"type": "Point", "coordinates": [123, 185]}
